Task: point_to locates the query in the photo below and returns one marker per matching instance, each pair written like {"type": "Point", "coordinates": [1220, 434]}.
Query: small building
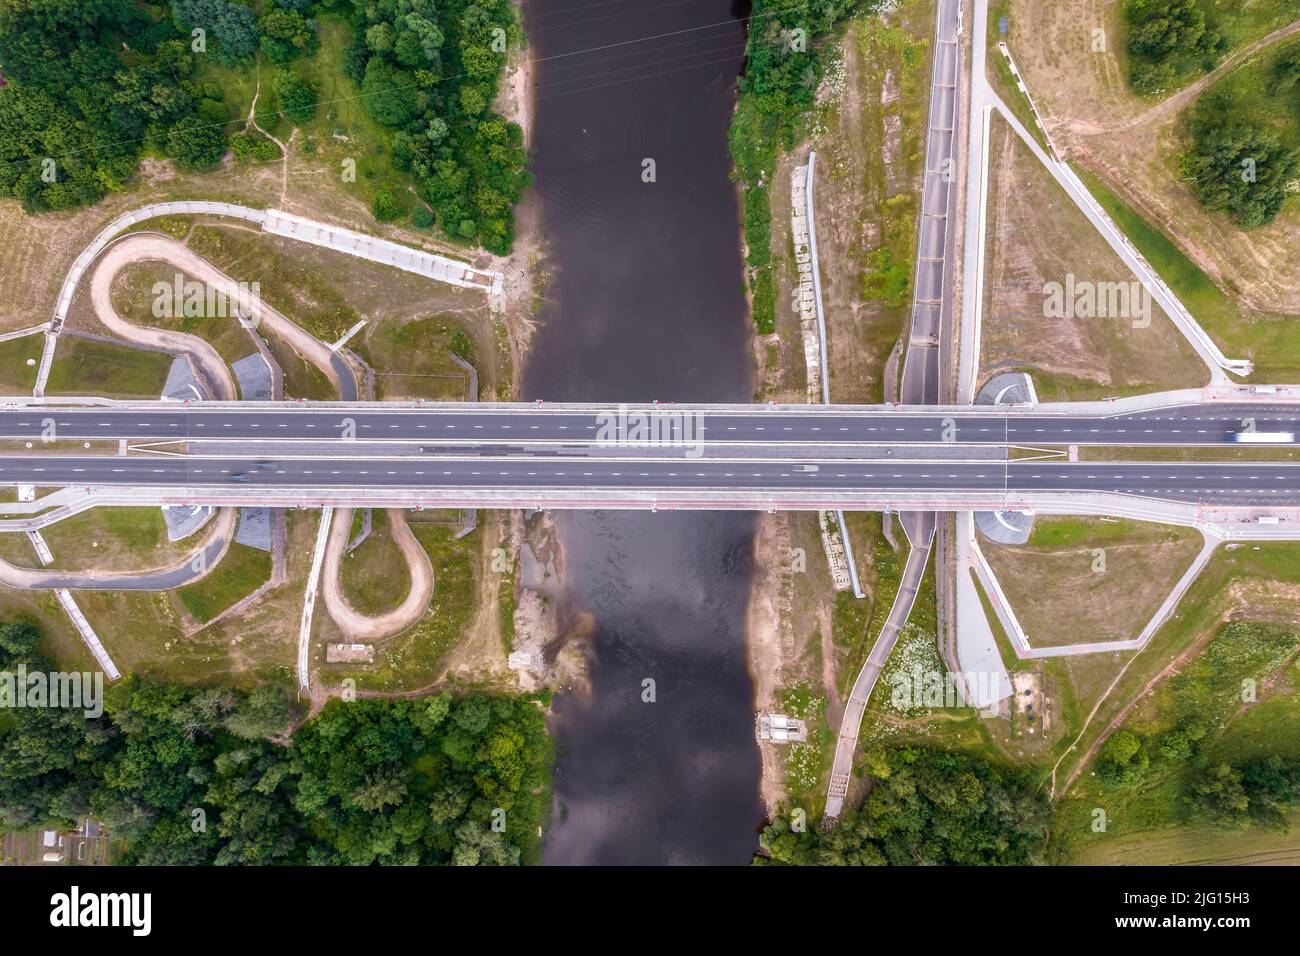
{"type": "Point", "coordinates": [780, 729]}
{"type": "Point", "coordinates": [51, 846]}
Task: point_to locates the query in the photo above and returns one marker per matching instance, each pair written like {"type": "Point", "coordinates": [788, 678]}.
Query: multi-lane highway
{"type": "Point", "coordinates": [1182, 481]}
{"type": "Point", "coordinates": [593, 456]}
{"type": "Point", "coordinates": [1208, 424]}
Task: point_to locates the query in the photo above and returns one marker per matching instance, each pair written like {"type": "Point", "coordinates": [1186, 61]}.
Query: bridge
{"type": "Point", "coordinates": [650, 456]}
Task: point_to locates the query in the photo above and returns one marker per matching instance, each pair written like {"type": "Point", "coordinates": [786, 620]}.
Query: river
{"type": "Point", "coordinates": [632, 99]}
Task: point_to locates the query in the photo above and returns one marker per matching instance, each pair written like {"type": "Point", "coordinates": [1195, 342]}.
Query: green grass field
{"type": "Point", "coordinates": [1195, 846]}
{"type": "Point", "coordinates": [374, 577]}
{"type": "Point", "coordinates": [16, 376]}
{"type": "Point", "coordinates": [88, 367]}
{"type": "Point", "coordinates": [411, 659]}
{"type": "Point", "coordinates": [241, 571]}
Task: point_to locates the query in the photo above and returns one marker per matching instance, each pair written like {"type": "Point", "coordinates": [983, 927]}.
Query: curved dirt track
{"type": "Point", "coordinates": [185, 571]}
{"type": "Point", "coordinates": [352, 621]}
{"type": "Point", "coordinates": [152, 247]}
{"type": "Point", "coordinates": [143, 247]}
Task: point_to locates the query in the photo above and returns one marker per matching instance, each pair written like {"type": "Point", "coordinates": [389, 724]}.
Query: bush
{"type": "Point", "coordinates": [257, 149]}
{"type": "Point", "coordinates": [385, 207]}
{"type": "Point", "coordinates": [421, 218]}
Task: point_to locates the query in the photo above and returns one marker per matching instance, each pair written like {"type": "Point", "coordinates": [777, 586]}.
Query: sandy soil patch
{"type": "Point", "coordinates": [1133, 144]}
{"type": "Point", "coordinates": [1104, 587]}
{"type": "Point", "coordinates": [1037, 236]}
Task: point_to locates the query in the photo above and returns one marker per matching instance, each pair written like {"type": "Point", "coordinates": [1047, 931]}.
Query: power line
{"type": "Point", "coordinates": [407, 86]}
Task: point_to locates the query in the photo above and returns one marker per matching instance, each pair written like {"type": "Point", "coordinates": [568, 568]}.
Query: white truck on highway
{"type": "Point", "coordinates": [1263, 438]}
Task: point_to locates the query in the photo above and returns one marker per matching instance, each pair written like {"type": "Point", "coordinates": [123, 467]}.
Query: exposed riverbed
{"type": "Point", "coordinates": [644, 301]}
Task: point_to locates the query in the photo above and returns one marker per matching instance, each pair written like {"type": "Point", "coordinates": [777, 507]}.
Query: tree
{"type": "Point", "coordinates": [1167, 39]}
{"type": "Point", "coordinates": [232, 25]}
{"type": "Point", "coordinates": [1122, 760]}
{"type": "Point", "coordinates": [387, 787]}
{"type": "Point", "coordinates": [1158, 29]}
{"type": "Point", "coordinates": [297, 99]}
{"type": "Point", "coordinates": [263, 713]}
{"type": "Point", "coordinates": [18, 641]}
{"type": "Point", "coordinates": [468, 162]}
{"type": "Point", "coordinates": [364, 782]}
{"type": "Point", "coordinates": [419, 43]}
{"type": "Point", "coordinates": [1286, 68]}
{"type": "Point", "coordinates": [930, 807]}
{"type": "Point", "coordinates": [381, 37]}
{"type": "Point", "coordinates": [1218, 795]}
{"type": "Point", "coordinates": [194, 144]}
{"type": "Point", "coordinates": [285, 34]}
{"type": "Point", "coordinates": [1239, 169]}
{"type": "Point", "coordinates": [88, 84]}
{"type": "Point", "coordinates": [389, 93]}
{"type": "Point", "coordinates": [1272, 786]}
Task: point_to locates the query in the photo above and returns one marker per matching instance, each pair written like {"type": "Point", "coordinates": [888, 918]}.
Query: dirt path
{"type": "Point", "coordinates": [353, 622]}
{"type": "Point", "coordinates": [211, 367]}
{"type": "Point", "coordinates": [213, 548]}
{"type": "Point", "coordinates": [1188, 93]}
{"type": "Point", "coordinates": [1167, 671]}
{"type": "Point", "coordinates": [284, 150]}
{"type": "Point", "coordinates": [146, 247]}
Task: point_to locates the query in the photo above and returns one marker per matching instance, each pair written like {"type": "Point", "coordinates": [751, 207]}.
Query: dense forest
{"type": "Point", "coordinates": [92, 85]}
{"type": "Point", "coordinates": [89, 85]}
{"type": "Point", "coordinates": [186, 775]}
{"type": "Point", "coordinates": [927, 807]}
{"type": "Point", "coordinates": [428, 72]}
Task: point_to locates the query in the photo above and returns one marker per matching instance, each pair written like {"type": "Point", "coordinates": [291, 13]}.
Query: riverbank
{"type": "Point", "coordinates": [806, 639]}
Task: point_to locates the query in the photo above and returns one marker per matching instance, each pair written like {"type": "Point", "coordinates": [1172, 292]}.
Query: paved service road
{"type": "Point", "coordinates": [1185, 425]}
{"type": "Point", "coordinates": [908, 585]}
{"type": "Point", "coordinates": [921, 367]}
{"type": "Point", "coordinates": [1184, 481]}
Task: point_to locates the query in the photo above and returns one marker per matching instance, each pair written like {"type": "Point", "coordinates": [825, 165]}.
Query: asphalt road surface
{"type": "Point", "coordinates": [1186, 481]}
{"type": "Point", "coordinates": [921, 367]}
{"type": "Point", "coordinates": [1187, 425]}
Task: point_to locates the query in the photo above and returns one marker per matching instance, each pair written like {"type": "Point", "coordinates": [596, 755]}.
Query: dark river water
{"type": "Point", "coordinates": [645, 302]}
